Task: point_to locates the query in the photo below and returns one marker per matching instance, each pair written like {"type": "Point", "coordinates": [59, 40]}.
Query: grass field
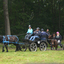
{"type": "Point", "coordinates": [20, 57]}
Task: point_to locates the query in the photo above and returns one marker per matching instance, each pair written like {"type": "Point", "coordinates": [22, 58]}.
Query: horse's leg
{"type": "Point", "coordinates": [52, 47]}
{"type": "Point", "coordinates": [52, 44]}
{"type": "Point", "coordinates": [6, 48]}
{"type": "Point", "coordinates": [56, 45]}
{"type": "Point", "coordinates": [19, 48]}
{"type": "Point", "coordinates": [16, 47]}
{"type": "Point", "coordinates": [56, 48]}
{"type": "Point", "coordinates": [3, 48]}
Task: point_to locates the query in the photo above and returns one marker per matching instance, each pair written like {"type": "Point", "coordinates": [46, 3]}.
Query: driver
{"type": "Point", "coordinates": [29, 32]}
{"type": "Point", "coordinates": [36, 34]}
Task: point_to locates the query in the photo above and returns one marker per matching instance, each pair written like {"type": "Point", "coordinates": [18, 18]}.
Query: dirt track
{"type": "Point", "coordinates": [59, 49]}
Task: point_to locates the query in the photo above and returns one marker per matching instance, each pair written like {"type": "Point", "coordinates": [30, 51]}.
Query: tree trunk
{"type": "Point", "coordinates": [7, 23]}
{"type": "Point", "coordinates": [59, 15]}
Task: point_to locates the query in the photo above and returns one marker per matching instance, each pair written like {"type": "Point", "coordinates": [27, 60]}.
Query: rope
{"type": "Point", "coordinates": [20, 34]}
{"type": "Point", "coordinates": [16, 35]}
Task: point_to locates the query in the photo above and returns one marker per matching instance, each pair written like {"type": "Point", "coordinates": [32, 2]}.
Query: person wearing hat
{"type": "Point", "coordinates": [44, 35]}
{"type": "Point", "coordinates": [58, 37]}
{"type": "Point", "coordinates": [36, 34]}
{"type": "Point", "coordinates": [29, 32]}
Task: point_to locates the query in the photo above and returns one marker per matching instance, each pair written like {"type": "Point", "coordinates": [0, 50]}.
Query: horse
{"type": "Point", "coordinates": [52, 41]}
{"type": "Point", "coordinates": [9, 39]}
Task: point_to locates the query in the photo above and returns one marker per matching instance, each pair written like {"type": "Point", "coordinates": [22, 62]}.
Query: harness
{"type": "Point", "coordinates": [5, 41]}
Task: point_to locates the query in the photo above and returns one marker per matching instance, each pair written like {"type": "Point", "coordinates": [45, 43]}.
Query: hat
{"type": "Point", "coordinates": [29, 25]}
{"type": "Point", "coordinates": [37, 28]}
{"type": "Point", "coordinates": [42, 29]}
{"type": "Point", "coordinates": [57, 32]}
{"type": "Point", "coordinates": [34, 29]}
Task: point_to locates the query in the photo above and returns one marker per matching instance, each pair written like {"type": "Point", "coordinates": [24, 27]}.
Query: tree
{"type": "Point", "coordinates": [42, 13]}
{"type": "Point", "coordinates": [6, 15]}
{"type": "Point", "coordinates": [59, 15]}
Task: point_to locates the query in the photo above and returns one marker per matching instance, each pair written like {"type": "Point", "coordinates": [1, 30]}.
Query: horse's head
{"type": "Point", "coordinates": [50, 37]}
{"type": "Point", "coordinates": [1, 39]}
{"type": "Point", "coordinates": [53, 34]}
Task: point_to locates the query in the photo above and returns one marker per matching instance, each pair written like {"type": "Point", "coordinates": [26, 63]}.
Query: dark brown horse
{"type": "Point", "coordinates": [10, 39]}
{"type": "Point", "coordinates": [52, 41]}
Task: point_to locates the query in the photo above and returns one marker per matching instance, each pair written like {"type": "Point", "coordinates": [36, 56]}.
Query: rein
{"type": "Point", "coordinates": [14, 35]}
{"type": "Point", "coordinates": [50, 39]}
{"type": "Point", "coordinates": [20, 34]}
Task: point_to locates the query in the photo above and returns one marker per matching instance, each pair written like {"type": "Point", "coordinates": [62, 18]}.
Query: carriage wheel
{"type": "Point", "coordinates": [43, 46]}
{"type": "Point", "coordinates": [23, 48]}
{"type": "Point", "coordinates": [63, 46]}
{"type": "Point", "coordinates": [33, 47]}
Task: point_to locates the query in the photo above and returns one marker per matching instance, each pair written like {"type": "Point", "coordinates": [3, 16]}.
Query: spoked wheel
{"type": "Point", "coordinates": [63, 46]}
{"type": "Point", "coordinates": [43, 46]}
{"type": "Point", "coordinates": [33, 47]}
{"type": "Point", "coordinates": [23, 48]}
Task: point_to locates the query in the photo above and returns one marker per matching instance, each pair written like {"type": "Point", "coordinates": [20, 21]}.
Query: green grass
{"type": "Point", "coordinates": [20, 57]}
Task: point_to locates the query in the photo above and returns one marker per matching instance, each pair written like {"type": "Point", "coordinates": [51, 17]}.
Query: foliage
{"type": "Point", "coordinates": [42, 13]}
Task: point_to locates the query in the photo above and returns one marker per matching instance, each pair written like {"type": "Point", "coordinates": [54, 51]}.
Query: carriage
{"type": "Point", "coordinates": [26, 43]}
{"type": "Point", "coordinates": [43, 44]}
{"type": "Point", "coordinates": [33, 45]}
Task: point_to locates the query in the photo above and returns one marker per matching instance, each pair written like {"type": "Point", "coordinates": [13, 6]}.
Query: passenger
{"type": "Point", "coordinates": [58, 38]}
{"type": "Point", "coordinates": [29, 32]}
{"type": "Point", "coordinates": [34, 30]}
{"type": "Point", "coordinates": [47, 31]}
{"type": "Point", "coordinates": [36, 34]}
{"type": "Point", "coordinates": [44, 35]}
